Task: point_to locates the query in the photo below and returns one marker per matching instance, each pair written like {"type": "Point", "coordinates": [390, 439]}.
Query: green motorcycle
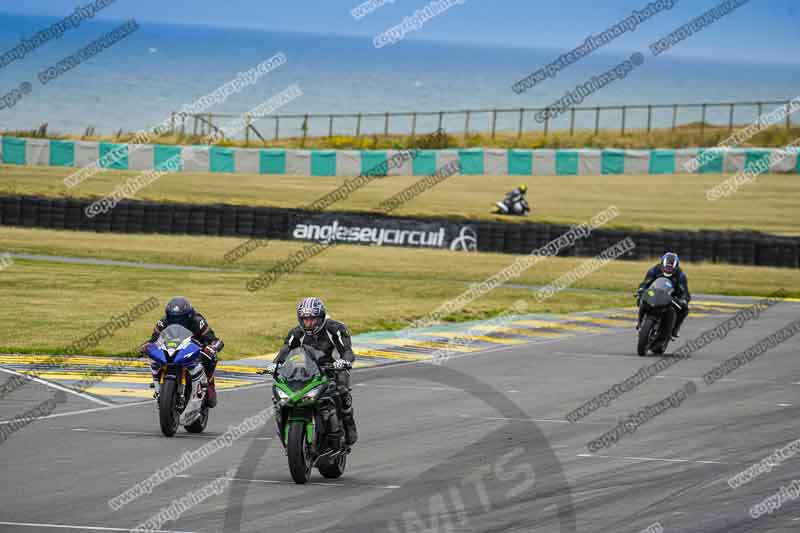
{"type": "Point", "coordinates": [307, 407]}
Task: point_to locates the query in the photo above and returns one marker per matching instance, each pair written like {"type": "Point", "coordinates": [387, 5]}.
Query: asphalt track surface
{"type": "Point", "coordinates": [477, 444]}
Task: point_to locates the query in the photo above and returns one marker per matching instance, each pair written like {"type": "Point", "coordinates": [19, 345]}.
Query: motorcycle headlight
{"type": "Point", "coordinates": [312, 394]}
{"type": "Point", "coordinates": [281, 395]}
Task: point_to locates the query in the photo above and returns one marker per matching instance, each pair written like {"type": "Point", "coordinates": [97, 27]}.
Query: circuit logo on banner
{"type": "Point", "coordinates": [466, 240]}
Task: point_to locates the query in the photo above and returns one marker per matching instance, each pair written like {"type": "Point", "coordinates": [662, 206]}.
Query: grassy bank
{"type": "Point", "coordinates": [369, 288]}
{"type": "Point", "coordinates": [771, 204]}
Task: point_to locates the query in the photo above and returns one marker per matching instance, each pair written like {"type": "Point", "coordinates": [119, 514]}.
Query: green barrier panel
{"type": "Point", "coordinates": [612, 162]}
{"type": "Point", "coordinates": [162, 156]}
{"type": "Point", "coordinates": [272, 162]}
{"type": "Point", "coordinates": [757, 161]}
{"type": "Point", "coordinates": [471, 161]}
{"type": "Point", "coordinates": [118, 161]}
{"type": "Point", "coordinates": [566, 163]}
{"type": "Point", "coordinates": [323, 163]}
{"type": "Point", "coordinates": [221, 159]}
{"type": "Point", "coordinates": [797, 163]}
{"type": "Point", "coordinates": [13, 151]}
{"type": "Point", "coordinates": [714, 164]}
{"type": "Point", "coordinates": [662, 162]}
{"type": "Point", "coordinates": [425, 163]}
{"type": "Point", "coordinates": [520, 162]}
{"type": "Point", "coordinates": [374, 163]}
{"type": "Point", "coordinates": [62, 154]}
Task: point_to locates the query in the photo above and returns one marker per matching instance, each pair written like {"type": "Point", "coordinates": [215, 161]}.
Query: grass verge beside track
{"type": "Point", "coordinates": [771, 204]}
{"type": "Point", "coordinates": [51, 304]}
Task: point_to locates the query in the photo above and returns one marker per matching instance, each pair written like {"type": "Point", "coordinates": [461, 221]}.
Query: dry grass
{"type": "Point", "coordinates": [771, 204]}
{"type": "Point", "coordinates": [369, 288]}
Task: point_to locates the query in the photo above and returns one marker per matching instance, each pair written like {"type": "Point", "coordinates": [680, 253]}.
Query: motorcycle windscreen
{"type": "Point", "coordinates": [176, 339]}
{"type": "Point", "coordinates": [659, 293]}
{"type": "Point", "coordinates": [299, 368]}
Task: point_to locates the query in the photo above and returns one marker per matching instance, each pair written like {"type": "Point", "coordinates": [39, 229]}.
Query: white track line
{"type": "Point", "coordinates": [58, 387]}
{"type": "Point", "coordinates": [90, 528]}
{"type": "Point", "coordinates": [651, 459]}
{"type": "Point", "coordinates": [143, 434]}
{"type": "Point", "coordinates": [283, 482]}
{"type": "Point", "coordinates": [515, 419]}
{"type": "Point", "coordinates": [83, 411]}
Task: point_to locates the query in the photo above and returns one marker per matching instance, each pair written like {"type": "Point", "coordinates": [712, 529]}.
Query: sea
{"type": "Point", "coordinates": [137, 82]}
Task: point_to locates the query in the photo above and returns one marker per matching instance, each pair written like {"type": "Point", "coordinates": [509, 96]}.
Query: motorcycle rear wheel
{"type": "Point", "coordinates": [199, 425]}
{"type": "Point", "coordinates": [334, 469]}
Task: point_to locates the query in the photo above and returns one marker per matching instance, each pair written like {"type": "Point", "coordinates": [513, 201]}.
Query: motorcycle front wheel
{"type": "Point", "coordinates": [168, 415]}
{"type": "Point", "coordinates": [299, 461]}
{"type": "Point", "coordinates": [644, 336]}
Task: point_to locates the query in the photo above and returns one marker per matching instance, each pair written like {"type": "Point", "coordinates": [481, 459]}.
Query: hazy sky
{"type": "Point", "coordinates": [760, 30]}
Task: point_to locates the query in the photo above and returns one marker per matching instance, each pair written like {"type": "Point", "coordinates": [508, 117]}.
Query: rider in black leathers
{"type": "Point", "coordinates": [179, 311]}
{"type": "Point", "coordinates": [669, 267]}
{"type": "Point", "coordinates": [316, 330]}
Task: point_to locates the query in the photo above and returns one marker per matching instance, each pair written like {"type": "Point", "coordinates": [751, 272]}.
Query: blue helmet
{"type": "Point", "coordinates": [311, 315]}
{"type": "Point", "coordinates": [669, 263]}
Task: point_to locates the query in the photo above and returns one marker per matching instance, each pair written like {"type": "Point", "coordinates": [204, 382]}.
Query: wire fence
{"type": "Point", "coordinates": [507, 121]}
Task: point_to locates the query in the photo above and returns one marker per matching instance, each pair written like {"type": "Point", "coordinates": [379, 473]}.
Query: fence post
{"type": "Point", "coordinates": [596, 120]}
{"type": "Point", "coordinates": [730, 118]}
{"type": "Point", "coordinates": [172, 122]}
{"type": "Point", "coordinates": [441, 114]}
{"type": "Point", "coordinates": [624, 113]}
{"type": "Point", "coordinates": [246, 129]}
{"type": "Point", "coordinates": [210, 124]}
{"type": "Point", "coordinates": [521, 115]}
{"type": "Point", "coordinates": [386, 126]}
{"type": "Point", "coordinates": [466, 126]}
{"type": "Point", "coordinates": [194, 129]}
{"type": "Point", "coordinates": [703, 120]}
{"type": "Point", "coordinates": [546, 124]}
{"type": "Point", "coordinates": [183, 123]}
{"type": "Point", "coordinates": [572, 122]}
{"type": "Point", "coordinates": [413, 125]}
{"type": "Point", "coordinates": [330, 126]}
{"type": "Point", "coordinates": [494, 122]}
{"type": "Point", "coordinates": [788, 115]}
{"type": "Point", "coordinates": [674, 116]}
{"type": "Point", "coordinates": [649, 118]}
{"type": "Point", "coordinates": [277, 126]}
{"type": "Point", "coordinates": [358, 126]}
{"type": "Point", "coordinates": [759, 108]}
{"type": "Point", "coordinates": [305, 131]}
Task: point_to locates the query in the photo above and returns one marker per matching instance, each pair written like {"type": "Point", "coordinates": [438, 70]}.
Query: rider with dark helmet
{"type": "Point", "coordinates": [179, 311]}
{"type": "Point", "coordinates": [317, 331]}
{"type": "Point", "coordinates": [669, 267]}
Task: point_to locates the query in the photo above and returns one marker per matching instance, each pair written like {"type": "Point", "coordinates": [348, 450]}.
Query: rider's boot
{"type": "Point", "coordinates": [211, 392]}
{"type": "Point", "coordinates": [350, 433]}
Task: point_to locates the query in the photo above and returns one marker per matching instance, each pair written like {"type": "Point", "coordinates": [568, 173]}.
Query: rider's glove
{"type": "Point", "coordinates": [209, 353]}
{"type": "Point", "coordinates": [270, 369]}
{"type": "Point", "coordinates": [143, 349]}
{"type": "Point", "coordinates": [340, 364]}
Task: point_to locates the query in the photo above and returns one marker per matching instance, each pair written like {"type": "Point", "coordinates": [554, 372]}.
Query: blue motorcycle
{"type": "Point", "coordinates": [182, 384]}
